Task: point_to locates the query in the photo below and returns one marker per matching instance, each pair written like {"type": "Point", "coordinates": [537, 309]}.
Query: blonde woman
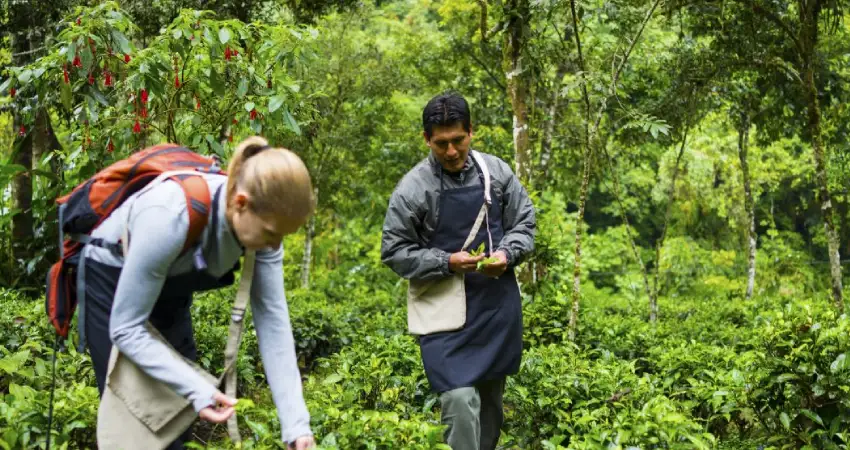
{"type": "Point", "coordinates": [266, 195]}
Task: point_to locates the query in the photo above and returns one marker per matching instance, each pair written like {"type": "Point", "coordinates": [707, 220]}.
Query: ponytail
{"type": "Point", "coordinates": [276, 179]}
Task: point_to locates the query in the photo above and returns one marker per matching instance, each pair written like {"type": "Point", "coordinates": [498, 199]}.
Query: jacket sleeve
{"type": "Point", "coordinates": [402, 249]}
{"type": "Point", "coordinates": [518, 219]}
{"type": "Point", "coordinates": [157, 235]}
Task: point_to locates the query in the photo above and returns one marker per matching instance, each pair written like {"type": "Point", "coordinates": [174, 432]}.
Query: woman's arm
{"type": "Point", "coordinates": [277, 346]}
{"type": "Point", "coordinates": [157, 232]}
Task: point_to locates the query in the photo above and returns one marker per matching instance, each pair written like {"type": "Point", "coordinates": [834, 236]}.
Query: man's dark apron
{"type": "Point", "coordinates": [489, 346]}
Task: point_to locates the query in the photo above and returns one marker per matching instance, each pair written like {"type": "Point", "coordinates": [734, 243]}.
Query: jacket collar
{"type": "Point", "coordinates": [436, 167]}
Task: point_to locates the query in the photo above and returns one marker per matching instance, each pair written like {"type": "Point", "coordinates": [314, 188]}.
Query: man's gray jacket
{"type": "Point", "coordinates": [414, 208]}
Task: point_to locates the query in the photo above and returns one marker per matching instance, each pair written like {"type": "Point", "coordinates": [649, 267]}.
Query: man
{"type": "Point", "coordinates": [468, 315]}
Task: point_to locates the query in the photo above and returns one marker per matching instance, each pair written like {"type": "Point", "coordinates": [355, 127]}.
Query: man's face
{"type": "Point", "coordinates": [450, 145]}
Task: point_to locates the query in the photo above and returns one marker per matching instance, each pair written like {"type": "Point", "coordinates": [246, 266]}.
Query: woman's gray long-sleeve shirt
{"type": "Point", "coordinates": [414, 211]}
{"type": "Point", "coordinates": [158, 224]}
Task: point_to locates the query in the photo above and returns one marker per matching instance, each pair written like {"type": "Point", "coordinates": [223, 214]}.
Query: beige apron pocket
{"type": "Point", "coordinates": [436, 305]}
{"type": "Point", "coordinates": [138, 411]}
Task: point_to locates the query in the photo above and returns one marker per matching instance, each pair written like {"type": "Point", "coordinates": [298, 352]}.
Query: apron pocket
{"type": "Point", "coordinates": [138, 411]}
{"type": "Point", "coordinates": [436, 305]}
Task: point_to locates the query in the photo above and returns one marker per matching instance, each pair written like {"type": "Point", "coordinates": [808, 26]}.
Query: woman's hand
{"type": "Point", "coordinates": [303, 443]}
{"type": "Point", "coordinates": [222, 411]}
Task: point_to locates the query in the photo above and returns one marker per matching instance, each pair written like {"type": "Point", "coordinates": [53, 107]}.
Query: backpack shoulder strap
{"type": "Point", "coordinates": [198, 205]}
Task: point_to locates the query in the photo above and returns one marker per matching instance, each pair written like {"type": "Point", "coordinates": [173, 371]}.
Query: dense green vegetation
{"type": "Point", "coordinates": [688, 164]}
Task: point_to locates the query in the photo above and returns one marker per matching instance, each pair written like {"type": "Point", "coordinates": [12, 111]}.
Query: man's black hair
{"type": "Point", "coordinates": [447, 108]}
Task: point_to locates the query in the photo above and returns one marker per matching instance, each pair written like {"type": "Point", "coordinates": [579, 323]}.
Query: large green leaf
{"type": "Point", "coordinates": [224, 35]}
{"type": "Point", "coordinates": [275, 103]}
{"type": "Point", "coordinates": [121, 40]}
{"type": "Point", "coordinates": [290, 122]}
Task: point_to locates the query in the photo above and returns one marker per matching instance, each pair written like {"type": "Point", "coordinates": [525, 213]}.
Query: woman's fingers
{"type": "Point", "coordinates": [221, 412]}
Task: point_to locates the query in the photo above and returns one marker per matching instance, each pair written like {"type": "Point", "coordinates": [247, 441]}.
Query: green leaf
{"type": "Point", "coordinates": [215, 146]}
{"type": "Point", "coordinates": [485, 262]}
{"type": "Point", "coordinates": [121, 40]}
{"type": "Point", "coordinates": [812, 415]}
{"type": "Point", "coordinates": [786, 421]}
{"type": "Point", "coordinates": [249, 106]}
{"type": "Point", "coordinates": [290, 122]}
{"type": "Point", "coordinates": [66, 96]}
{"type": "Point", "coordinates": [223, 35]}
{"type": "Point", "coordinates": [786, 377]}
{"type": "Point", "coordinates": [11, 169]}
{"type": "Point", "coordinates": [86, 58]}
{"type": "Point", "coordinates": [216, 82]}
{"type": "Point", "coordinates": [177, 33]}
{"type": "Point", "coordinates": [25, 76]}
{"type": "Point", "coordinates": [97, 95]}
{"type": "Point", "coordinates": [275, 103]}
{"type": "Point", "coordinates": [5, 85]}
{"type": "Point", "coordinates": [840, 364]}
{"type": "Point", "coordinates": [72, 52]}
{"type": "Point", "coordinates": [243, 88]}
{"type": "Point", "coordinates": [332, 379]}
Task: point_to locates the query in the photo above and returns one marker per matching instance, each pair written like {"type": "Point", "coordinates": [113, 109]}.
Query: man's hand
{"type": "Point", "coordinates": [497, 268]}
{"type": "Point", "coordinates": [221, 412]}
{"type": "Point", "coordinates": [303, 443]}
{"type": "Point", "coordinates": [463, 262]}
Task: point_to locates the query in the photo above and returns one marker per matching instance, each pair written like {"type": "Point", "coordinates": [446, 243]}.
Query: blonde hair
{"type": "Point", "coordinates": [276, 179]}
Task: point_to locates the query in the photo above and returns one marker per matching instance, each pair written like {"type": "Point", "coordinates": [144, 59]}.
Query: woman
{"type": "Point", "coordinates": [266, 195]}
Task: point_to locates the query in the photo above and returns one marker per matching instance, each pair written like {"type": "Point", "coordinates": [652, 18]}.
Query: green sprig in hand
{"type": "Point", "coordinates": [484, 262]}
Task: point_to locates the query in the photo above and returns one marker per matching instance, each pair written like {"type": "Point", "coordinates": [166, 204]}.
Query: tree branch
{"type": "Point", "coordinates": [778, 22]}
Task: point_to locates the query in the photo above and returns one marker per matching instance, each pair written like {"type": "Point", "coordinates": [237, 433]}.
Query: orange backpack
{"type": "Point", "coordinates": [90, 203]}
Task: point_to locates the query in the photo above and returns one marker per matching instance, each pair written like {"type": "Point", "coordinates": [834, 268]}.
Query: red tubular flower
{"type": "Point", "coordinates": [12, 92]}
{"type": "Point", "coordinates": [111, 147]}
{"type": "Point", "coordinates": [77, 62]}
{"type": "Point", "coordinates": [177, 81]}
{"type": "Point", "coordinates": [22, 132]}
{"type": "Point", "coordinates": [107, 79]}
{"type": "Point", "coordinates": [227, 53]}
{"type": "Point", "coordinates": [91, 78]}
{"type": "Point", "coordinates": [65, 74]}
{"type": "Point", "coordinates": [144, 96]}
{"type": "Point", "coordinates": [144, 113]}
{"type": "Point", "coordinates": [137, 128]}
{"type": "Point", "coordinates": [127, 58]}
{"type": "Point", "coordinates": [253, 114]}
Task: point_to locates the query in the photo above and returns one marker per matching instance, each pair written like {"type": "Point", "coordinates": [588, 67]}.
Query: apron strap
{"type": "Point", "coordinates": [485, 208]}
{"type": "Point", "coordinates": [234, 336]}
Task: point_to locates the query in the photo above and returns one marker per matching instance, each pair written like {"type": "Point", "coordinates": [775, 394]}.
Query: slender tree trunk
{"type": "Point", "coordinates": [809, 13]}
{"type": "Point", "coordinates": [310, 233]}
{"type": "Point", "coordinates": [22, 220]}
{"type": "Point", "coordinates": [45, 143]}
{"type": "Point", "coordinates": [518, 12]}
{"type": "Point", "coordinates": [576, 297]}
{"type": "Point", "coordinates": [671, 198]}
{"type": "Point", "coordinates": [653, 305]}
{"type": "Point", "coordinates": [549, 127]}
{"type": "Point", "coordinates": [749, 204]}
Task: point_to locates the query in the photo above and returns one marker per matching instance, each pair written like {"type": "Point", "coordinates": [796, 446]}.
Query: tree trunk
{"type": "Point", "coordinates": [306, 262]}
{"type": "Point", "coordinates": [809, 13]}
{"type": "Point", "coordinates": [517, 12]}
{"type": "Point", "coordinates": [45, 143]}
{"type": "Point", "coordinates": [22, 220]}
{"type": "Point", "coordinates": [576, 297]}
{"type": "Point", "coordinates": [549, 127]}
{"type": "Point", "coordinates": [749, 204]}
{"type": "Point", "coordinates": [671, 197]}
